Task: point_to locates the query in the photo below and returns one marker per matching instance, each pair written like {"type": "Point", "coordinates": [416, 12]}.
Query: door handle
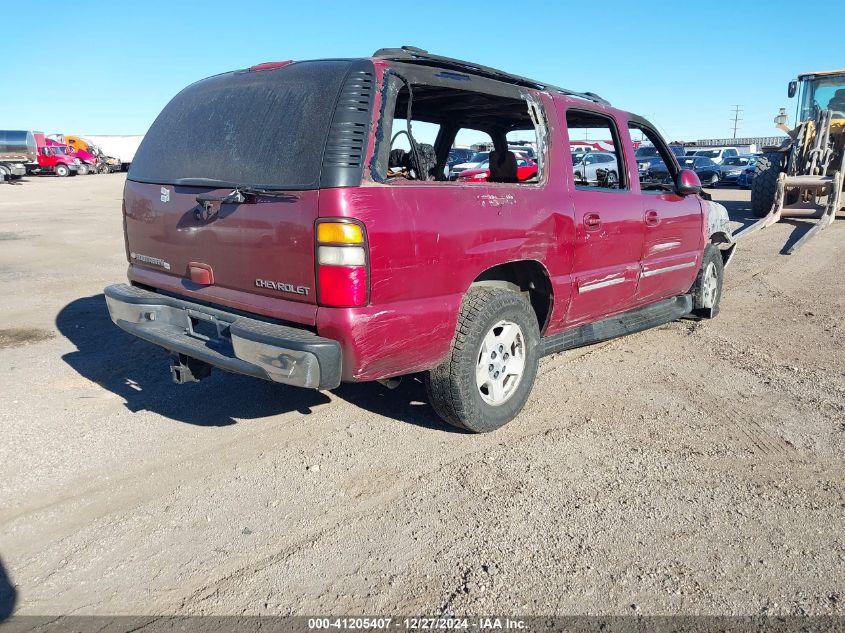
{"type": "Point", "coordinates": [652, 218]}
{"type": "Point", "coordinates": [592, 221]}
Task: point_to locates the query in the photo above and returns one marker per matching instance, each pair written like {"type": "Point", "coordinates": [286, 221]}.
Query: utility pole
{"type": "Point", "coordinates": [736, 118]}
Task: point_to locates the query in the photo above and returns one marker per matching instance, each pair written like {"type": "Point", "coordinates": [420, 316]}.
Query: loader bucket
{"type": "Point", "coordinates": [827, 186]}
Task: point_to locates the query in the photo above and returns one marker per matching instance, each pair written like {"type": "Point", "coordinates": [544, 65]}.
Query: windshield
{"type": "Point", "coordinates": [709, 153]}
{"type": "Point", "coordinates": [263, 129]}
{"type": "Point", "coordinates": [740, 161]}
{"type": "Point", "coordinates": [478, 157]}
{"type": "Point", "coordinates": [823, 93]}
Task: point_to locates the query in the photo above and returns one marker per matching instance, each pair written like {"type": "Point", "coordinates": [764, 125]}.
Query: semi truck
{"type": "Point", "coordinates": [119, 146]}
{"type": "Point", "coordinates": [17, 149]}
{"type": "Point", "coordinates": [55, 159]}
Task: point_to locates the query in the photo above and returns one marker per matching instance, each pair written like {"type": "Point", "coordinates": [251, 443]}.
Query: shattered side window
{"type": "Point", "coordinates": [449, 128]}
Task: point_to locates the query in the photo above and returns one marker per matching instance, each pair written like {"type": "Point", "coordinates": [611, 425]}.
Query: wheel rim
{"type": "Point", "coordinates": [501, 362]}
{"type": "Point", "coordinates": [611, 178]}
{"type": "Point", "coordinates": [710, 286]}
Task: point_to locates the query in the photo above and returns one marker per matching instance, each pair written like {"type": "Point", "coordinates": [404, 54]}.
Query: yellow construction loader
{"type": "Point", "coordinates": [803, 177]}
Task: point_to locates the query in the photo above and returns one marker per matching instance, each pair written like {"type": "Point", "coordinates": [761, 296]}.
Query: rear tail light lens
{"type": "Point", "coordinates": [339, 233]}
{"type": "Point", "coordinates": [341, 256]}
{"type": "Point", "coordinates": [343, 286]}
{"type": "Point", "coordinates": [342, 264]}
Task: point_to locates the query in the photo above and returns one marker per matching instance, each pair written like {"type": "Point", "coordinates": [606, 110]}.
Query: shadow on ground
{"type": "Point", "coordinates": [8, 594]}
{"type": "Point", "coordinates": [139, 373]}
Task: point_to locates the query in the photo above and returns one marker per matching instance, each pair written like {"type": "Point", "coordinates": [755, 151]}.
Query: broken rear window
{"type": "Point", "coordinates": [265, 128]}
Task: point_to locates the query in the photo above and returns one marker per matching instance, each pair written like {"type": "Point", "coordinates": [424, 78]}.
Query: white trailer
{"type": "Point", "coordinates": [121, 146]}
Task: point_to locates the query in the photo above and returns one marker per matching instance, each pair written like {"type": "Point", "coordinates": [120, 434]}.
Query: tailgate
{"type": "Point", "coordinates": [264, 248]}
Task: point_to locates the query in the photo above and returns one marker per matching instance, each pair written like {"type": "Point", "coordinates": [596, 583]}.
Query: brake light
{"type": "Point", "coordinates": [342, 264]}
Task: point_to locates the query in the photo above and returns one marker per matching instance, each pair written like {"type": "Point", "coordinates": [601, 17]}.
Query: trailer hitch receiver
{"type": "Point", "coordinates": [185, 369]}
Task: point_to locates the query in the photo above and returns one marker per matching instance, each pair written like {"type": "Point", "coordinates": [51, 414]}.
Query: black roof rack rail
{"type": "Point", "coordinates": [418, 55]}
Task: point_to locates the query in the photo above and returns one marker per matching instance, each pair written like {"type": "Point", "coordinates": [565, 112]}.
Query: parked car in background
{"type": "Point", "coordinates": [647, 165]}
{"type": "Point", "coordinates": [747, 176]}
{"type": "Point", "coordinates": [716, 154]}
{"type": "Point", "coordinates": [586, 167]}
{"type": "Point", "coordinates": [645, 152]}
{"type": "Point", "coordinates": [524, 149]}
{"type": "Point", "coordinates": [525, 170]}
{"type": "Point", "coordinates": [475, 160]}
{"type": "Point", "coordinates": [732, 167]}
{"type": "Point", "coordinates": [706, 169]}
{"type": "Point", "coordinates": [458, 155]}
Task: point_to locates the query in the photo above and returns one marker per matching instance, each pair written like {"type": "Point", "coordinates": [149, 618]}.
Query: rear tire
{"type": "Point", "coordinates": [765, 183]}
{"type": "Point", "coordinates": [62, 171]}
{"type": "Point", "coordinates": [474, 389]}
{"type": "Point", "coordinates": [83, 170]}
{"type": "Point", "coordinates": [707, 289]}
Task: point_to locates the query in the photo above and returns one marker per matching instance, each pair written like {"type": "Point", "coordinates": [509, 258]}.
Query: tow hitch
{"type": "Point", "coordinates": [185, 369]}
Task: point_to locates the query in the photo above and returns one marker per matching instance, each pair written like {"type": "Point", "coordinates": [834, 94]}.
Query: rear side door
{"type": "Point", "coordinates": [673, 232]}
{"type": "Point", "coordinates": [608, 228]}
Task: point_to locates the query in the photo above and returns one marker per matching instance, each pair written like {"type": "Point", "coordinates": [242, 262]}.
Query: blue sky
{"type": "Point", "coordinates": [681, 64]}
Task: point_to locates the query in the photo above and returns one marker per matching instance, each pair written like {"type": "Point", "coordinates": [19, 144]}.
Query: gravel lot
{"type": "Point", "coordinates": [694, 468]}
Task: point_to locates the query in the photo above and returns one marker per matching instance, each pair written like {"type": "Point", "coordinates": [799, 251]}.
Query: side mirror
{"type": "Point", "coordinates": [793, 88]}
{"type": "Point", "coordinates": [687, 183]}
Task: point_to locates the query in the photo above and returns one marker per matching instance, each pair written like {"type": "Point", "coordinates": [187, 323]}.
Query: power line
{"type": "Point", "coordinates": [737, 110]}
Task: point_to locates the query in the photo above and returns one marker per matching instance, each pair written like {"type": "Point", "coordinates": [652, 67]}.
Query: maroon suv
{"type": "Point", "coordinates": [293, 221]}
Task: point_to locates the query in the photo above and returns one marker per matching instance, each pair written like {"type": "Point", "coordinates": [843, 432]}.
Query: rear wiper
{"type": "Point", "coordinates": [209, 204]}
{"type": "Point", "coordinates": [238, 191]}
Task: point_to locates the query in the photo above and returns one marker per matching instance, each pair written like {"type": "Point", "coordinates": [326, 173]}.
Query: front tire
{"type": "Point", "coordinates": [765, 183]}
{"type": "Point", "coordinates": [62, 171]}
{"type": "Point", "coordinates": [707, 289]}
{"type": "Point", "coordinates": [487, 378]}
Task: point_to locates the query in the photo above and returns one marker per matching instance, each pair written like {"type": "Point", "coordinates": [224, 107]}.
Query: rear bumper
{"type": "Point", "coordinates": [278, 353]}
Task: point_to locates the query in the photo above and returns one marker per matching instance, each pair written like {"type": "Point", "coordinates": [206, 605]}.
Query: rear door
{"type": "Point", "coordinates": [267, 239]}
{"type": "Point", "coordinates": [673, 232]}
{"type": "Point", "coordinates": [263, 130]}
{"type": "Point", "coordinates": [608, 229]}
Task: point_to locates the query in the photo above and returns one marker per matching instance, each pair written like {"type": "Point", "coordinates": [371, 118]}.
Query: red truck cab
{"type": "Point", "coordinates": [55, 158]}
{"type": "Point", "coordinates": [285, 222]}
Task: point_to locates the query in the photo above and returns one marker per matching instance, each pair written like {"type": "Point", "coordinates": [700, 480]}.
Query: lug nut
{"type": "Point", "coordinates": [490, 368]}
{"type": "Point", "coordinates": [492, 354]}
{"type": "Point", "coordinates": [506, 356]}
{"type": "Point", "coordinates": [496, 375]}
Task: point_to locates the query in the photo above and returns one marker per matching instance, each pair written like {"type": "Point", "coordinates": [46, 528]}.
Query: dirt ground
{"type": "Point", "coordinates": [694, 468]}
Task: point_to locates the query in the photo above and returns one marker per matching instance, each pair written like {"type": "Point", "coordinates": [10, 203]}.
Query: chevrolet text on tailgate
{"type": "Point", "coordinates": [292, 222]}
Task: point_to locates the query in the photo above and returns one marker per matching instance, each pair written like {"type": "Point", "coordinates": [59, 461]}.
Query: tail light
{"type": "Point", "coordinates": [342, 264]}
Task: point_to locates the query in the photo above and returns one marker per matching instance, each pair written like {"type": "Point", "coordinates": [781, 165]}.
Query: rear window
{"type": "Point", "coordinates": [265, 129]}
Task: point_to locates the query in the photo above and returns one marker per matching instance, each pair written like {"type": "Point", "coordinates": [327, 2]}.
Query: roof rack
{"type": "Point", "coordinates": [412, 54]}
